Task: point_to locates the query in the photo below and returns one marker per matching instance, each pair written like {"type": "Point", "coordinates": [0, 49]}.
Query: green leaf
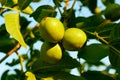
{"type": "Point", "coordinates": [4, 75]}
{"type": "Point", "coordinates": [107, 2]}
{"type": "Point", "coordinates": [24, 23]}
{"type": "Point", "coordinates": [112, 12]}
{"type": "Point", "coordinates": [28, 10]}
{"type": "Point", "coordinates": [3, 32]}
{"type": "Point", "coordinates": [35, 54]}
{"type": "Point", "coordinates": [8, 3]}
{"type": "Point", "coordinates": [94, 53]}
{"type": "Point", "coordinates": [57, 3]}
{"type": "Point", "coordinates": [69, 18]}
{"type": "Point", "coordinates": [6, 44]}
{"type": "Point", "coordinates": [7, 76]}
{"type": "Point", "coordinates": [30, 76]}
{"type": "Point", "coordinates": [115, 34]}
{"type": "Point", "coordinates": [105, 28]}
{"type": "Point", "coordinates": [114, 59]}
{"type": "Point", "coordinates": [58, 76]}
{"type": "Point", "coordinates": [91, 22]}
{"type": "Point", "coordinates": [115, 42]}
{"type": "Point", "coordinates": [23, 3]}
{"type": "Point", "coordinates": [43, 11]}
{"type": "Point", "coordinates": [96, 75]}
{"type": "Point", "coordinates": [13, 27]}
{"type": "Point", "coordinates": [66, 62]}
{"type": "Point", "coordinates": [17, 61]}
{"type": "Point", "coordinates": [91, 4]}
{"type": "Point", "coordinates": [3, 1]}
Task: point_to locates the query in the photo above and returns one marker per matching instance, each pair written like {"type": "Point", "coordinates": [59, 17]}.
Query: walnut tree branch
{"type": "Point", "coordinates": [17, 46]}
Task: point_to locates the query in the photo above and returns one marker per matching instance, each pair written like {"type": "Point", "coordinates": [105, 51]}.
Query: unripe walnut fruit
{"type": "Point", "coordinates": [50, 52]}
{"type": "Point", "coordinates": [51, 29]}
{"type": "Point", "coordinates": [74, 39]}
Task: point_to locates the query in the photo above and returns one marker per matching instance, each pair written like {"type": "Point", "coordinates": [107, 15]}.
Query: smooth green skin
{"type": "Point", "coordinates": [50, 53]}
{"type": "Point", "coordinates": [51, 29]}
{"type": "Point", "coordinates": [73, 39]}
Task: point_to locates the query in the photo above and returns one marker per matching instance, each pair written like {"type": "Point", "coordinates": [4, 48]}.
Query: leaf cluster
{"type": "Point", "coordinates": [102, 26]}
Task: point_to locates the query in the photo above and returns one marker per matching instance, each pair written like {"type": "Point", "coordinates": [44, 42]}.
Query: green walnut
{"type": "Point", "coordinates": [50, 52]}
{"type": "Point", "coordinates": [51, 29]}
{"type": "Point", "coordinates": [74, 39]}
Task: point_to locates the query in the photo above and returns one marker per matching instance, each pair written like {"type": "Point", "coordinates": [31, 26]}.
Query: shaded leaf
{"type": "Point", "coordinates": [107, 2]}
{"type": "Point", "coordinates": [58, 76]}
{"type": "Point", "coordinates": [57, 2]}
{"type": "Point", "coordinates": [43, 11]}
{"type": "Point", "coordinates": [115, 34]}
{"type": "Point", "coordinates": [3, 31]}
{"type": "Point", "coordinates": [94, 53]}
{"type": "Point", "coordinates": [34, 54]}
{"type": "Point", "coordinates": [8, 3]}
{"type": "Point", "coordinates": [23, 3]}
{"type": "Point", "coordinates": [115, 42]}
{"type": "Point", "coordinates": [66, 62]}
{"type": "Point", "coordinates": [4, 75]}
{"type": "Point", "coordinates": [13, 27]}
{"type": "Point", "coordinates": [105, 28]}
{"type": "Point", "coordinates": [13, 63]}
{"type": "Point", "coordinates": [6, 44]}
{"type": "Point", "coordinates": [112, 12]}
{"type": "Point", "coordinates": [91, 4]}
{"type": "Point", "coordinates": [90, 23]}
{"type": "Point", "coordinates": [3, 2]}
{"type": "Point", "coordinates": [17, 61]}
{"type": "Point", "coordinates": [7, 76]}
{"type": "Point", "coordinates": [23, 23]}
{"type": "Point", "coordinates": [68, 18]}
{"type": "Point", "coordinates": [96, 75]}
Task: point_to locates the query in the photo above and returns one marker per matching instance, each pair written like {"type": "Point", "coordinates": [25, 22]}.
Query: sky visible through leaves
{"type": "Point", "coordinates": [84, 12]}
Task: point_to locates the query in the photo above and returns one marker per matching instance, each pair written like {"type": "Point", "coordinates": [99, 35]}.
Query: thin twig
{"type": "Point", "coordinates": [10, 52]}
{"type": "Point", "coordinates": [56, 6]}
{"type": "Point", "coordinates": [72, 7]}
{"type": "Point", "coordinates": [112, 47]}
{"type": "Point", "coordinates": [101, 38]}
{"type": "Point", "coordinates": [104, 41]}
{"type": "Point", "coordinates": [17, 46]}
{"type": "Point", "coordinates": [60, 11]}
